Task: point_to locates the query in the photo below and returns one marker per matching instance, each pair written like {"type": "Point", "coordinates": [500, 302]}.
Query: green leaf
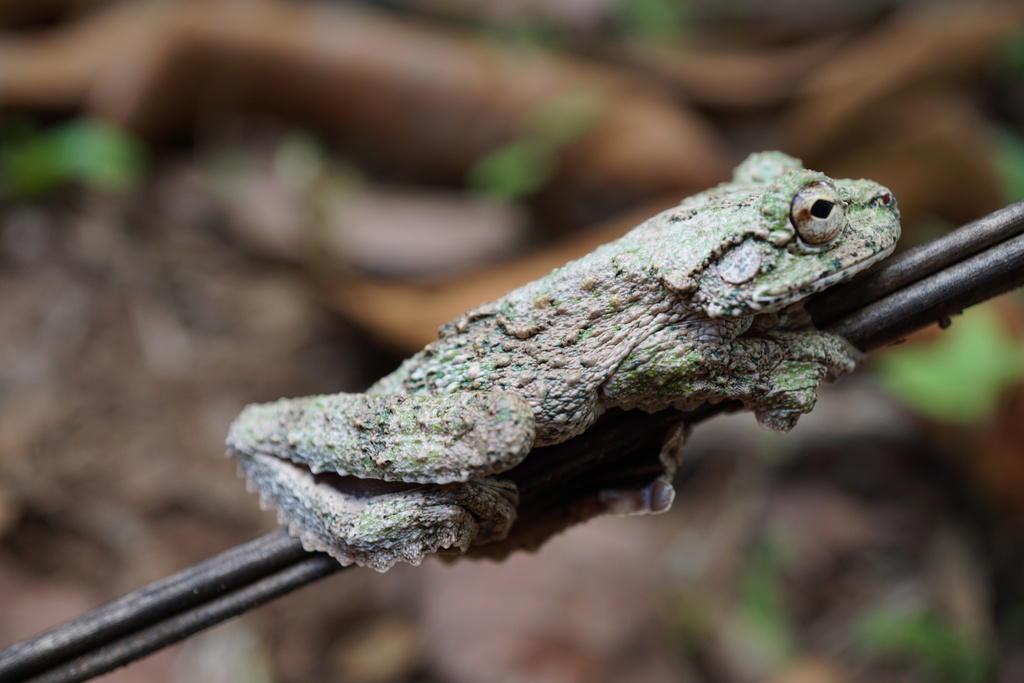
{"type": "Point", "coordinates": [1010, 52]}
{"type": "Point", "coordinates": [922, 639]}
{"type": "Point", "coordinates": [656, 20]}
{"type": "Point", "coordinates": [959, 377]}
{"type": "Point", "coordinates": [1009, 159]}
{"type": "Point", "coordinates": [762, 600]}
{"type": "Point", "coordinates": [525, 165]}
{"type": "Point", "coordinates": [512, 171]}
{"type": "Point", "coordinates": [87, 151]}
{"type": "Point", "coordinates": [565, 118]}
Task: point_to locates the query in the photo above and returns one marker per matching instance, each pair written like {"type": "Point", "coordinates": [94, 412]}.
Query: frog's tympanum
{"type": "Point", "coordinates": [698, 304]}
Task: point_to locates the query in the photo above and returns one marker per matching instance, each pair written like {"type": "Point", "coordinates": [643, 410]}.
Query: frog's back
{"type": "Point", "coordinates": [553, 341]}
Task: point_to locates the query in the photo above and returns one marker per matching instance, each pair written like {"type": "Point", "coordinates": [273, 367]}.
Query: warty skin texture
{"type": "Point", "coordinates": [697, 304]}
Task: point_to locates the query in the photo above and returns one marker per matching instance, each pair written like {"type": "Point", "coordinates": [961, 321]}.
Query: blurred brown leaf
{"type": "Point", "coordinates": [810, 670]}
{"type": "Point", "coordinates": [411, 95]}
{"type": "Point", "coordinates": [891, 106]}
{"type": "Point", "coordinates": [16, 13]}
{"type": "Point", "coordinates": [406, 316]}
{"type": "Point", "coordinates": [920, 48]}
{"type": "Point", "coordinates": [732, 77]}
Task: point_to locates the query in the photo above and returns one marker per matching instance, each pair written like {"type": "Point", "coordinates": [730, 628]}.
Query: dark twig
{"type": "Point", "coordinates": [308, 568]}
{"type": "Point", "coordinates": [994, 271]}
{"type": "Point", "coordinates": [924, 285]}
{"type": "Point", "coordinates": [178, 593]}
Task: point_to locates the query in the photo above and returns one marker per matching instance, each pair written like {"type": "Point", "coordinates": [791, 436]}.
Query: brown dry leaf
{"type": "Point", "coordinates": [930, 147]}
{"type": "Point", "coordinates": [822, 524]}
{"type": "Point", "coordinates": [998, 459]}
{"type": "Point", "coordinates": [406, 316]}
{"type": "Point", "coordinates": [424, 99]}
{"type": "Point", "coordinates": [14, 13]}
{"type": "Point", "coordinates": [810, 670]}
{"type": "Point", "coordinates": [733, 78]}
{"type": "Point", "coordinates": [921, 48]}
{"type": "Point", "coordinates": [406, 232]}
{"type": "Point", "coordinates": [890, 107]}
{"type": "Point", "coordinates": [57, 69]}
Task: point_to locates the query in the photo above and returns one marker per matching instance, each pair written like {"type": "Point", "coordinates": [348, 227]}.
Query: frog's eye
{"type": "Point", "coordinates": [817, 213]}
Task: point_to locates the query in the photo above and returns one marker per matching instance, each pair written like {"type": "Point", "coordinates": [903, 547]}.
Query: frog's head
{"type": "Point", "coordinates": [793, 232]}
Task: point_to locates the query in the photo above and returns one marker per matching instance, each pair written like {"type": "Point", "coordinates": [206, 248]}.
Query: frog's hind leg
{"type": "Point", "coordinates": [410, 438]}
{"type": "Point", "coordinates": [376, 524]}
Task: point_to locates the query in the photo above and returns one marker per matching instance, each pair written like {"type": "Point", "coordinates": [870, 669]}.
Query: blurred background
{"type": "Point", "coordinates": [210, 203]}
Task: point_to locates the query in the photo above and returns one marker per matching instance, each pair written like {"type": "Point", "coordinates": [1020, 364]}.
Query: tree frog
{"type": "Point", "coordinates": [701, 303]}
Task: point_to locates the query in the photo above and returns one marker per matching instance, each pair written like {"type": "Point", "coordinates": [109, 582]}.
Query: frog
{"type": "Point", "coordinates": [699, 304]}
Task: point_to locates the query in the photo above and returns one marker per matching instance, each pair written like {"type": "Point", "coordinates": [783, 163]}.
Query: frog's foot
{"type": "Point", "coordinates": [791, 392]}
{"type": "Point", "coordinates": [375, 524]}
{"type": "Point", "coordinates": [789, 389]}
{"type": "Point", "coordinates": [784, 419]}
{"type": "Point", "coordinates": [832, 353]}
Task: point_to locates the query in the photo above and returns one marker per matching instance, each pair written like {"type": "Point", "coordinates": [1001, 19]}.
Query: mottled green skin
{"type": "Point", "coordinates": [426, 439]}
{"type": "Point", "coordinates": [693, 305]}
{"type": "Point", "coordinates": [583, 338]}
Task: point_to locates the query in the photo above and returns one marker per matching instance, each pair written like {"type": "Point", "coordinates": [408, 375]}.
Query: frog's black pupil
{"type": "Point", "coordinates": [821, 208]}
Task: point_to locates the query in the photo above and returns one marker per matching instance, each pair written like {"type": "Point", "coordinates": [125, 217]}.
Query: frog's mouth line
{"type": "Point", "coordinates": [350, 487]}
{"type": "Point", "coordinates": [776, 301]}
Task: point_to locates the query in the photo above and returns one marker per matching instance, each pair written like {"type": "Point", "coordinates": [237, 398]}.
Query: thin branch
{"type": "Point", "coordinates": [100, 660]}
{"type": "Point", "coordinates": [925, 285]}
{"type": "Point", "coordinates": [201, 583]}
{"type": "Point", "coordinates": [989, 273]}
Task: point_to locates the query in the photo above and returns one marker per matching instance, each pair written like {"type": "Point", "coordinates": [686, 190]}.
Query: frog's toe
{"type": "Point", "coordinates": [781, 409]}
{"type": "Point", "coordinates": [778, 420]}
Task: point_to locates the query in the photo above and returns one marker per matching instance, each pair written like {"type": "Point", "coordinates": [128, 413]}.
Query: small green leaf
{"type": "Point", "coordinates": [512, 171]}
{"type": "Point", "coordinates": [1009, 159]}
{"type": "Point", "coordinates": [657, 20]}
{"type": "Point", "coordinates": [1010, 52]}
{"type": "Point", "coordinates": [922, 639]}
{"type": "Point", "coordinates": [762, 601]}
{"type": "Point", "coordinates": [87, 151]}
{"type": "Point", "coordinates": [566, 118]}
{"type": "Point", "coordinates": [959, 377]}
{"type": "Point", "coordinates": [98, 155]}
{"type": "Point", "coordinates": [525, 165]}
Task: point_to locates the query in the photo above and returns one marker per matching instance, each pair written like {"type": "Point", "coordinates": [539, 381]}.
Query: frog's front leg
{"type": "Point", "coordinates": [806, 360]}
{"type": "Point", "coordinates": [374, 479]}
{"type": "Point", "coordinates": [774, 374]}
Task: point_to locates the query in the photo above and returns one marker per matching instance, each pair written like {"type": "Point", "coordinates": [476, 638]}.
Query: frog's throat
{"type": "Point", "coordinates": [762, 302]}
